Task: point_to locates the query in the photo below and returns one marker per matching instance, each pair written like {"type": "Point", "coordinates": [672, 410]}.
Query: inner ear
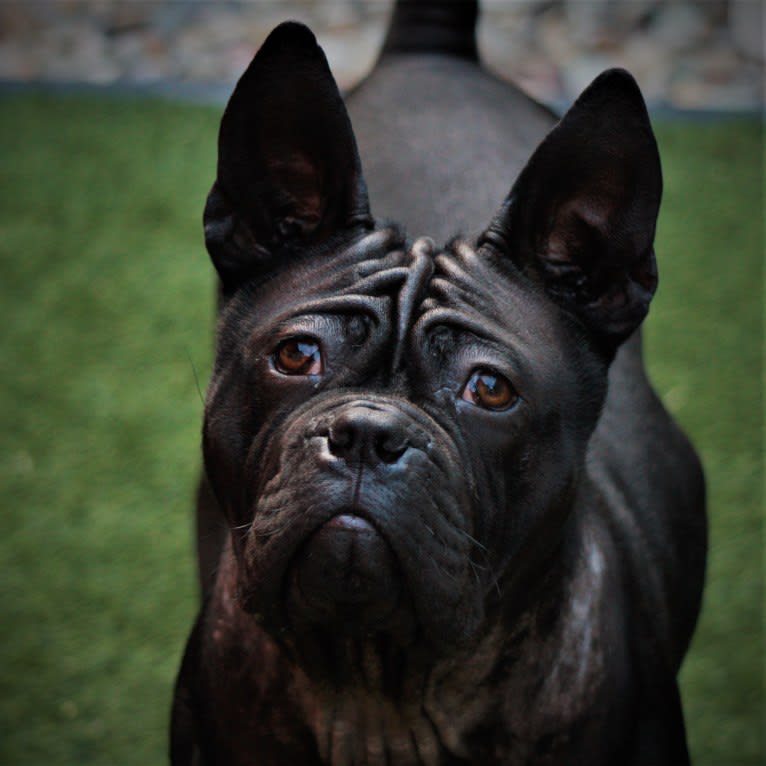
{"type": "Point", "coordinates": [289, 174]}
{"type": "Point", "coordinates": [581, 217]}
{"type": "Point", "coordinates": [297, 187]}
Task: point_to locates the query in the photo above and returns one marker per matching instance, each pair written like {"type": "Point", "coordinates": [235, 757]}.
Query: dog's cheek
{"type": "Point", "coordinates": [504, 506]}
{"type": "Point", "coordinates": [226, 435]}
{"type": "Point", "coordinates": [523, 486]}
{"type": "Point", "coordinates": [552, 466]}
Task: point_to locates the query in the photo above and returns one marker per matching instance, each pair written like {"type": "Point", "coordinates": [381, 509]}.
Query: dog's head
{"type": "Point", "coordinates": [394, 429]}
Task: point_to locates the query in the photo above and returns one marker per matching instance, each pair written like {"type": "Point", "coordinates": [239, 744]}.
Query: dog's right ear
{"type": "Point", "coordinates": [289, 174]}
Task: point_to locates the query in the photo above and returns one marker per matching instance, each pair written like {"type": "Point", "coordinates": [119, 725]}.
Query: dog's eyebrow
{"type": "Point", "coordinates": [434, 315]}
{"type": "Point", "coordinates": [442, 316]}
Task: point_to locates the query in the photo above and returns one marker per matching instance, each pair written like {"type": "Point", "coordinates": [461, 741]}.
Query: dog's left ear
{"type": "Point", "coordinates": [289, 174]}
{"type": "Point", "coordinates": [581, 216]}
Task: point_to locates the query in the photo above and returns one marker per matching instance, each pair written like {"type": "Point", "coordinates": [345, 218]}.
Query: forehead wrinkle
{"type": "Point", "coordinates": [419, 272]}
{"type": "Point", "coordinates": [300, 279]}
{"type": "Point", "coordinates": [490, 300]}
{"type": "Point", "coordinates": [474, 327]}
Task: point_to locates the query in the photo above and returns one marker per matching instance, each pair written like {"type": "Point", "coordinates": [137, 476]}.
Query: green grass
{"type": "Point", "coordinates": [705, 346]}
{"type": "Point", "coordinates": [107, 308]}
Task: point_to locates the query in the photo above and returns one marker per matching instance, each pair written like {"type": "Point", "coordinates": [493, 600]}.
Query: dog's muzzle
{"type": "Point", "coordinates": [346, 569]}
{"type": "Point", "coordinates": [364, 527]}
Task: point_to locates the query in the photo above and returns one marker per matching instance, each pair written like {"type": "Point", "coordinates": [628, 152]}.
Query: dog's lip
{"type": "Point", "coordinates": [416, 553]}
{"type": "Point", "coordinates": [351, 522]}
{"type": "Point", "coordinates": [348, 519]}
{"type": "Point", "coordinates": [354, 518]}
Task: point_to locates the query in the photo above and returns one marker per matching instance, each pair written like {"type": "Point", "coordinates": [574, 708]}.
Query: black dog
{"type": "Point", "coordinates": [463, 528]}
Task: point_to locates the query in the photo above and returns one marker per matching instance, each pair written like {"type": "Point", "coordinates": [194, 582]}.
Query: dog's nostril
{"type": "Point", "coordinates": [340, 440]}
{"type": "Point", "coordinates": [389, 449]}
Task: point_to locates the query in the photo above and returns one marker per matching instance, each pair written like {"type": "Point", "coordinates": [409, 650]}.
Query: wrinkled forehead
{"type": "Point", "coordinates": [475, 292]}
{"type": "Point", "coordinates": [412, 286]}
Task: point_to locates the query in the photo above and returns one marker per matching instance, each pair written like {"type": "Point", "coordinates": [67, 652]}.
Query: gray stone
{"type": "Point", "coordinates": [351, 59]}
{"type": "Point", "coordinates": [696, 53]}
{"type": "Point", "coordinates": [717, 77]}
{"type": "Point", "coordinates": [629, 16]}
{"type": "Point", "coordinates": [141, 57]}
{"type": "Point", "coordinates": [746, 23]}
{"type": "Point", "coordinates": [19, 62]}
{"type": "Point", "coordinates": [588, 22]}
{"type": "Point", "coordinates": [554, 38]}
{"type": "Point", "coordinates": [538, 77]}
{"type": "Point", "coordinates": [580, 72]}
{"type": "Point", "coordinates": [74, 51]}
{"type": "Point", "coordinates": [679, 25]}
{"type": "Point", "coordinates": [650, 63]}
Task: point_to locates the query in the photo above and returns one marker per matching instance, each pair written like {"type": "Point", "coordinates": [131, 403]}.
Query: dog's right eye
{"type": "Point", "coordinates": [298, 356]}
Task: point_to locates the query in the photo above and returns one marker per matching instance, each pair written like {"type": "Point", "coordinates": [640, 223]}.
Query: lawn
{"type": "Point", "coordinates": [107, 305]}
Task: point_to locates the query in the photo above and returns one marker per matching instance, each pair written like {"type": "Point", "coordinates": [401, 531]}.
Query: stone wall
{"type": "Point", "coordinates": [685, 53]}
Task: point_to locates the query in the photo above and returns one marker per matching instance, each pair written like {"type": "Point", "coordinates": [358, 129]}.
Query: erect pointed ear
{"type": "Point", "coordinates": [581, 216]}
{"type": "Point", "coordinates": [289, 173]}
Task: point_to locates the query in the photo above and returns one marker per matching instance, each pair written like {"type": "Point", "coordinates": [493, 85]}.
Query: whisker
{"type": "Point", "coordinates": [240, 526]}
{"type": "Point", "coordinates": [196, 376]}
{"type": "Point", "coordinates": [444, 571]}
{"type": "Point", "coordinates": [473, 540]}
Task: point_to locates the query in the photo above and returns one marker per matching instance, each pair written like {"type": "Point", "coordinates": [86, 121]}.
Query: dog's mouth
{"type": "Point", "coordinates": [356, 573]}
{"type": "Point", "coordinates": [345, 574]}
{"type": "Point", "coordinates": [345, 541]}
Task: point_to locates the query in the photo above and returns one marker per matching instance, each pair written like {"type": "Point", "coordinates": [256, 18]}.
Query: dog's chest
{"type": "Point", "coordinates": [532, 696]}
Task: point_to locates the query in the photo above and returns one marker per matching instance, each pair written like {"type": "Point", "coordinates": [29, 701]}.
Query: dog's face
{"type": "Point", "coordinates": [394, 429]}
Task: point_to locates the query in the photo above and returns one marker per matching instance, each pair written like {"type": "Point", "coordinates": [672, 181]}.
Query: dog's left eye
{"type": "Point", "coordinates": [298, 356]}
{"type": "Point", "coordinates": [487, 389]}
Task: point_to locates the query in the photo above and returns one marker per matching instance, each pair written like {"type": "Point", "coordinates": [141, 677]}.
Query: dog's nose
{"type": "Point", "coordinates": [363, 435]}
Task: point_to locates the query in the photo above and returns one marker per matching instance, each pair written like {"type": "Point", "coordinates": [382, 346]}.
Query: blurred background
{"type": "Point", "coordinates": [109, 112]}
{"type": "Point", "coordinates": [688, 54]}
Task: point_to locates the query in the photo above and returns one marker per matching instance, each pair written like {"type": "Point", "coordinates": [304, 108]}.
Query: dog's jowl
{"type": "Point", "coordinates": [459, 526]}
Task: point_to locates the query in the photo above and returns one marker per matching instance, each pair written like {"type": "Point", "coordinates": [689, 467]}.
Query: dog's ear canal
{"type": "Point", "coordinates": [581, 217]}
{"type": "Point", "coordinates": [289, 174]}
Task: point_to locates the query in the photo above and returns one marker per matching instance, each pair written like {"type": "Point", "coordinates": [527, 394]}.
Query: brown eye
{"type": "Point", "coordinates": [489, 390]}
{"type": "Point", "coordinates": [298, 356]}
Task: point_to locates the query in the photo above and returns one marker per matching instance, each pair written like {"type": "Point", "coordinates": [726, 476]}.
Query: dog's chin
{"type": "Point", "coordinates": [346, 564]}
{"type": "Point", "coordinates": [395, 562]}
{"type": "Point", "coordinates": [345, 580]}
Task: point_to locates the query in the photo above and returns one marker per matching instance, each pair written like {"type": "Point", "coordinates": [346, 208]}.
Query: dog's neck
{"type": "Point", "coordinates": [413, 713]}
{"type": "Point", "coordinates": [376, 698]}
{"type": "Point", "coordinates": [368, 700]}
